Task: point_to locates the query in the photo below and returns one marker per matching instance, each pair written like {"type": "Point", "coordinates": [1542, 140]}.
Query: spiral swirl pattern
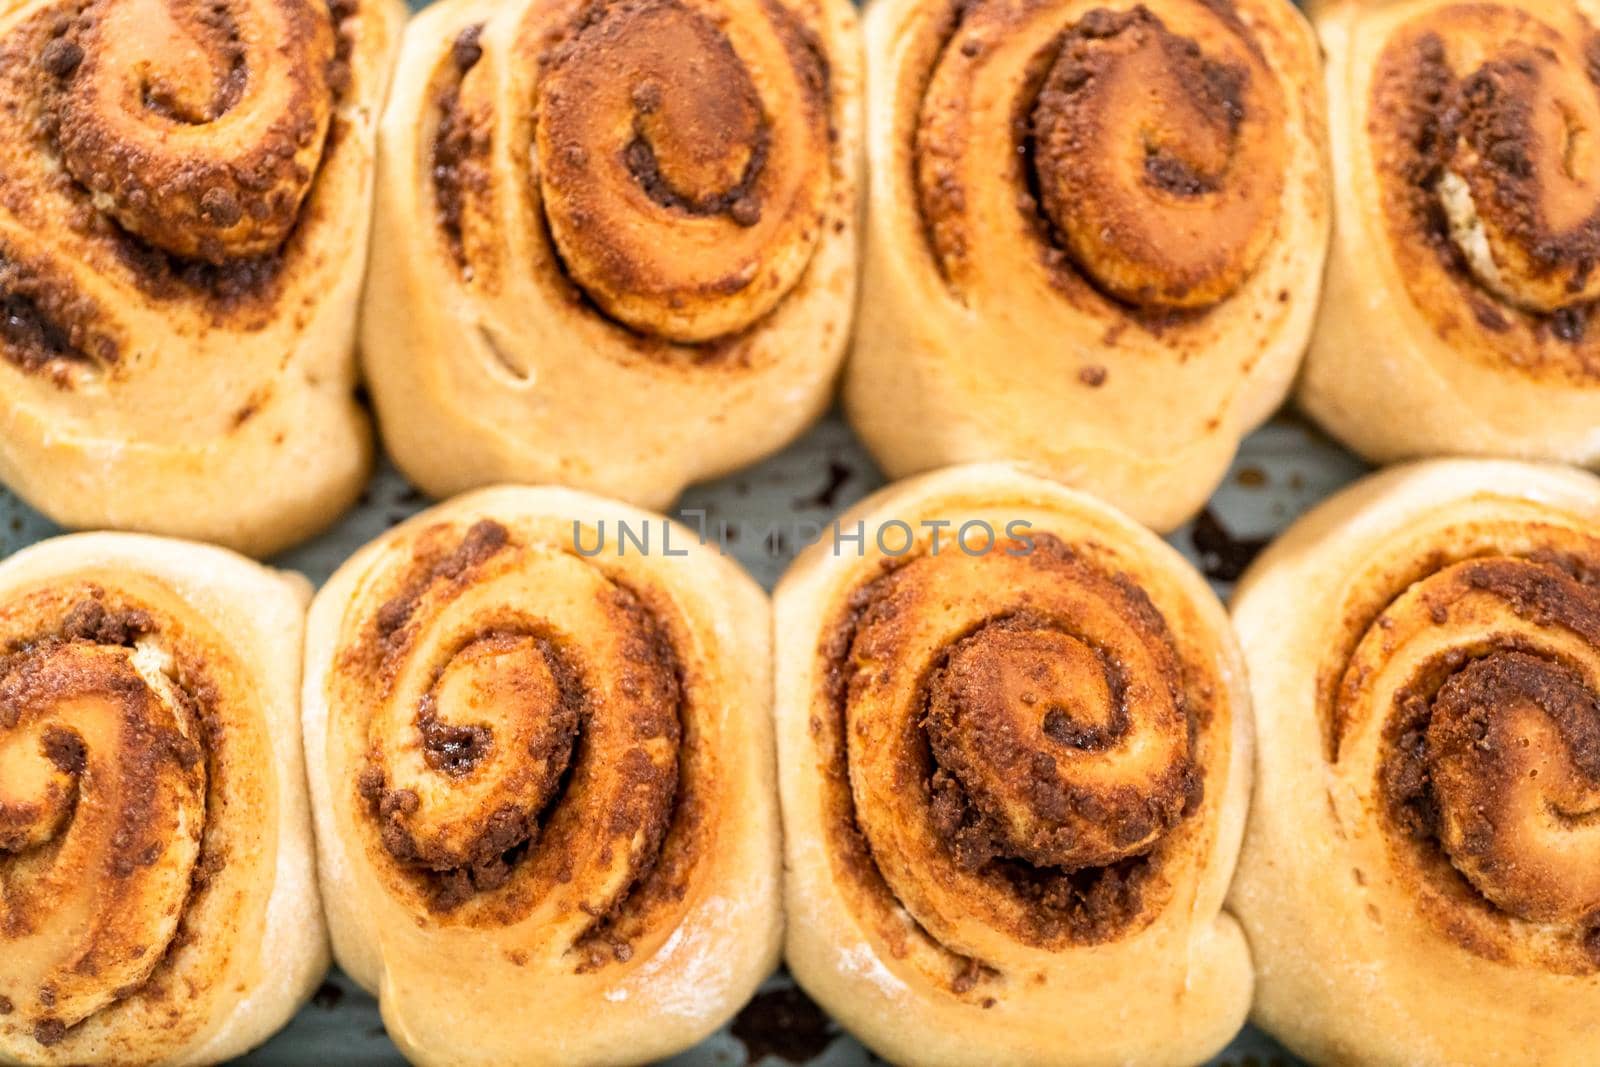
{"type": "Point", "coordinates": [1012, 778]}
{"type": "Point", "coordinates": [1055, 751]}
{"type": "Point", "coordinates": [508, 771]}
{"type": "Point", "coordinates": [1142, 183]}
{"type": "Point", "coordinates": [1474, 696]}
{"type": "Point", "coordinates": [176, 141]}
{"type": "Point", "coordinates": [536, 761]}
{"type": "Point", "coordinates": [148, 810]}
{"type": "Point", "coordinates": [733, 170]}
{"type": "Point", "coordinates": [1424, 651]}
{"type": "Point", "coordinates": [206, 152]}
{"type": "Point", "coordinates": [105, 769]}
{"type": "Point", "coordinates": [182, 191]}
{"type": "Point", "coordinates": [1159, 198]}
{"type": "Point", "coordinates": [651, 202]}
{"type": "Point", "coordinates": [682, 152]}
{"type": "Point", "coordinates": [1487, 173]}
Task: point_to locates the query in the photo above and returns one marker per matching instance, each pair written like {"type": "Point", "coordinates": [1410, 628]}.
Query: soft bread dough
{"type": "Point", "coordinates": [1426, 345]}
{"type": "Point", "coordinates": [946, 967]}
{"type": "Point", "coordinates": [987, 335]}
{"type": "Point", "coordinates": [256, 942]}
{"type": "Point", "coordinates": [539, 314]}
{"type": "Point", "coordinates": [197, 395]}
{"type": "Point", "coordinates": [507, 973]}
{"type": "Point", "coordinates": [1364, 952]}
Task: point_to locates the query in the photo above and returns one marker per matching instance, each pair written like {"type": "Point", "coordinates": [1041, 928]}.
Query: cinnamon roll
{"type": "Point", "coordinates": [158, 897]}
{"type": "Point", "coordinates": [1420, 882]}
{"type": "Point", "coordinates": [185, 192]}
{"type": "Point", "coordinates": [1014, 755]}
{"type": "Point", "coordinates": [615, 243]}
{"type": "Point", "coordinates": [1462, 281]}
{"type": "Point", "coordinates": [541, 761]}
{"type": "Point", "coordinates": [1095, 237]}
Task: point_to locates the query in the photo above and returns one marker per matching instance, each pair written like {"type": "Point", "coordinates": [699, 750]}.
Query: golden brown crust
{"type": "Point", "coordinates": [148, 819]}
{"type": "Point", "coordinates": [1177, 217]}
{"type": "Point", "coordinates": [185, 184]}
{"type": "Point", "coordinates": [684, 165]}
{"type": "Point", "coordinates": [1011, 781]}
{"type": "Point", "coordinates": [530, 755]}
{"type": "Point", "coordinates": [1499, 98]}
{"type": "Point", "coordinates": [132, 815]}
{"type": "Point", "coordinates": [1479, 703]}
{"type": "Point", "coordinates": [1461, 284]}
{"type": "Point", "coordinates": [651, 201]}
{"type": "Point", "coordinates": [1095, 237]}
{"type": "Point", "coordinates": [182, 200]}
{"type": "Point", "coordinates": [1496, 725]}
{"type": "Point", "coordinates": [230, 199]}
{"type": "Point", "coordinates": [1042, 766]}
{"type": "Point", "coordinates": [747, 172]}
{"type": "Point", "coordinates": [494, 756]}
{"type": "Point", "coordinates": [1424, 652]}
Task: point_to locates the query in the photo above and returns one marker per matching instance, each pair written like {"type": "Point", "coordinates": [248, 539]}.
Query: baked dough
{"type": "Point", "coordinates": [1420, 882]}
{"type": "Point", "coordinates": [543, 781]}
{"type": "Point", "coordinates": [184, 207]}
{"type": "Point", "coordinates": [615, 243]}
{"type": "Point", "coordinates": [158, 895]}
{"type": "Point", "coordinates": [1014, 757]}
{"type": "Point", "coordinates": [1095, 237]}
{"type": "Point", "coordinates": [1456, 319]}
